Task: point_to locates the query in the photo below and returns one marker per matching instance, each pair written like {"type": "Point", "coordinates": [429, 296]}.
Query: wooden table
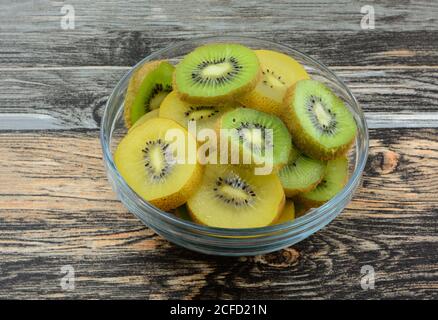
{"type": "Point", "coordinates": [57, 208]}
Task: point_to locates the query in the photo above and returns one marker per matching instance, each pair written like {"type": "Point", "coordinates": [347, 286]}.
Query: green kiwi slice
{"type": "Point", "coordinates": [217, 73]}
{"type": "Point", "coordinates": [334, 180]}
{"type": "Point", "coordinates": [146, 94]}
{"type": "Point", "coordinates": [254, 131]}
{"type": "Point", "coordinates": [320, 123]}
{"type": "Point", "coordinates": [301, 173]}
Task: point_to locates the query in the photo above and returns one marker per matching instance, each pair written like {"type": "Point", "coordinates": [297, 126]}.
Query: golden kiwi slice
{"type": "Point", "coordinates": [148, 163]}
{"type": "Point", "coordinates": [150, 115]}
{"type": "Point", "coordinates": [234, 197]}
{"type": "Point", "coordinates": [288, 213]}
{"type": "Point", "coordinates": [279, 72]}
{"type": "Point", "coordinates": [182, 112]}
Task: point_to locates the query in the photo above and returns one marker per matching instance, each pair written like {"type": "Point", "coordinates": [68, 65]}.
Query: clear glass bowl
{"type": "Point", "coordinates": [231, 242]}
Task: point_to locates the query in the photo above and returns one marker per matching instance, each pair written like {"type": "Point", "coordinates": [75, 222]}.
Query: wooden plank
{"type": "Point", "coordinates": [111, 33]}
{"type": "Point", "coordinates": [221, 16]}
{"type": "Point", "coordinates": [71, 98]}
{"type": "Point", "coordinates": [125, 48]}
{"type": "Point", "coordinates": [57, 208]}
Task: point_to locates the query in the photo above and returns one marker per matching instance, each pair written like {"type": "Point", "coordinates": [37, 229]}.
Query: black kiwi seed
{"type": "Point", "coordinates": [271, 72]}
{"type": "Point", "coordinates": [156, 90]}
{"type": "Point", "coordinates": [212, 112]}
{"type": "Point", "coordinates": [266, 140]}
{"type": "Point", "coordinates": [329, 129]}
{"type": "Point", "coordinates": [198, 77]}
{"type": "Point", "coordinates": [236, 183]}
{"type": "Point", "coordinates": [155, 175]}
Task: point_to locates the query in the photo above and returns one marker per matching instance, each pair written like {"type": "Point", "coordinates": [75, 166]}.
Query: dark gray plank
{"type": "Point", "coordinates": [221, 16]}
{"type": "Point", "coordinates": [126, 48]}
{"type": "Point", "coordinates": [112, 33]}
{"type": "Point", "coordinates": [56, 209]}
{"type": "Point", "coordinates": [66, 98]}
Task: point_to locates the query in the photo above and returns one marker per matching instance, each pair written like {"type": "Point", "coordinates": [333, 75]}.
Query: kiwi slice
{"type": "Point", "coordinates": [150, 115]}
{"type": "Point", "coordinates": [279, 72]}
{"type": "Point", "coordinates": [215, 73]}
{"type": "Point", "coordinates": [182, 112]}
{"type": "Point", "coordinates": [254, 131]}
{"type": "Point", "coordinates": [288, 213]}
{"type": "Point", "coordinates": [321, 125]}
{"type": "Point", "coordinates": [233, 197]}
{"type": "Point", "coordinates": [334, 180]}
{"type": "Point", "coordinates": [149, 166]}
{"type": "Point", "coordinates": [147, 88]}
{"type": "Point", "coordinates": [301, 173]}
{"type": "Point", "coordinates": [183, 213]}
{"type": "Point", "coordinates": [300, 208]}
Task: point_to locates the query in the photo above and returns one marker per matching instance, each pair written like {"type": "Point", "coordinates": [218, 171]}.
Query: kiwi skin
{"type": "Point", "coordinates": [301, 139]}
{"type": "Point", "coordinates": [218, 100]}
{"type": "Point", "coordinates": [134, 85]}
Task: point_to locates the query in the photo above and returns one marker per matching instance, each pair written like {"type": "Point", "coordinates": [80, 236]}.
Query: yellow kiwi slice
{"type": "Point", "coordinates": [150, 115]}
{"type": "Point", "coordinates": [279, 72]}
{"type": "Point", "coordinates": [148, 163]}
{"type": "Point", "coordinates": [182, 112]}
{"type": "Point", "coordinates": [288, 213]}
{"type": "Point", "coordinates": [147, 87]}
{"type": "Point", "coordinates": [300, 208]}
{"type": "Point", "coordinates": [234, 197]}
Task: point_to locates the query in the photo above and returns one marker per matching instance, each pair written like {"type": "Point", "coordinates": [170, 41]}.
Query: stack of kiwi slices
{"type": "Point", "coordinates": [263, 107]}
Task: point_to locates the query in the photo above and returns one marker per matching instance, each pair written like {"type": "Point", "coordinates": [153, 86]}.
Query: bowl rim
{"type": "Point", "coordinates": [310, 216]}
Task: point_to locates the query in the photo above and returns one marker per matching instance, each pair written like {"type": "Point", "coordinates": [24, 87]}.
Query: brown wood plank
{"type": "Point", "coordinates": [56, 208]}
{"type": "Point", "coordinates": [74, 98]}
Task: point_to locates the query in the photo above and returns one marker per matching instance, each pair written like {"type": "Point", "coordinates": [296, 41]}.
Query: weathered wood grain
{"type": "Point", "coordinates": [221, 16]}
{"type": "Point", "coordinates": [52, 98]}
{"type": "Point", "coordinates": [125, 48]}
{"type": "Point", "coordinates": [121, 33]}
{"type": "Point", "coordinates": [56, 208]}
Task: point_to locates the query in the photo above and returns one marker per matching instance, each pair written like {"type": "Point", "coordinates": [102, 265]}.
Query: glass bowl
{"type": "Point", "coordinates": [231, 242]}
